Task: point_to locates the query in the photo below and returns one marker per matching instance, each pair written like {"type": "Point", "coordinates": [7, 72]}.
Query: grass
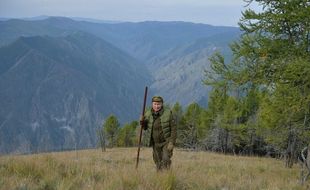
{"type": "Point", "coordinates": [115, 169]}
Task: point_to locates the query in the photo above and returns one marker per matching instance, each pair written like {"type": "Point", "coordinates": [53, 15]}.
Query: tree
{"type": "Point", "coordinates": [275, 45]}
{"type": "Point", "coordinates": [285, 112]}
{"type": "Point", "coordinates": [177, 112]}
{"type": "Point", "coordinates": [111, 129]}
{"type": "Point", "coordinates": [127, 135]}
{"type": "Point", "coordinates": [102, 138]}
{"type": "Point", "coordinates": [272, 57]}
{"type": "Point", "coordinates": [189, 130]}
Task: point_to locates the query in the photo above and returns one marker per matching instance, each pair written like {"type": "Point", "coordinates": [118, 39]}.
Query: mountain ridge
{"type": "Point", "coordinates": [142, 40]}
{"type": "Point", "coordinates": [51, 102]}
{"type": "Point", "coordinates": [70, 75]}
{"type": "Point", "coordinates": [184, 66]}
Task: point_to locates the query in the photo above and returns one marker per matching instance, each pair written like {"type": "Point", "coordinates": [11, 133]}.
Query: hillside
{"type": "Point", "coordinates": [56, 92]}
{"type": "Point", "coordinates": [178, 50]}
{"type": "Point", "coordinates": [179, 73]}
{"type": "Point", "coordinates": [115, 169]}
{"type": "Point", "coordinates": [59, 74]}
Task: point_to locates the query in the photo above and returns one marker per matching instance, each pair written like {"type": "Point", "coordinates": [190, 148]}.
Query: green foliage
{"type": "Point", "coordinates": [111, 127]}
{"type": "Point", "coordinates": [261, 97]}
{"type": "Point", "coordinates": [217, 100]}
{"type": "Point", "coordinates": [127, 135]}
{"type": "Point", "coordinates": [272, 38]}
{"type": "Point", "coordinates": [204, 126]}
{"type": "Point", "coordinates": [188, 131]}
{"type": "Point", "coordinates": [177, 112]}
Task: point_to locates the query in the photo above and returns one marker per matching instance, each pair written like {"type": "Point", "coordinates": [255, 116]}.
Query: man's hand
{"type": "Point", "coordinates": [143, 122]}
{"type": "Point", "coordinates": [142, 118]}
{"type": "Point", "coordinates": [170, 146]}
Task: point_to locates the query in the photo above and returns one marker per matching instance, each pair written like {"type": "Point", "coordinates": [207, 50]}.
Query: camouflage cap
{"type": "Point", "coordinates": [157, 99]}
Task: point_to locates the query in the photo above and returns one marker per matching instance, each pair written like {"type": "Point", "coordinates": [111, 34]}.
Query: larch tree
{"type": "Point", "coordinates": [111, 128]}
{"type": "Point", "coordinates": [271, 60]}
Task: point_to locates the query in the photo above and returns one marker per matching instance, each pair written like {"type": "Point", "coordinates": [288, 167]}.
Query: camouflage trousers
{"type": "Point", "coordinates": [162, 156]}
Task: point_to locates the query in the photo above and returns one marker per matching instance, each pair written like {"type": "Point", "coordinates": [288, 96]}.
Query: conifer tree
{"type": "Point", "coordinates": [111, 128]}
{"type": "Point", "coordinates": [127, 135]}
{"type": "Point", "coordinates": [271, 60]}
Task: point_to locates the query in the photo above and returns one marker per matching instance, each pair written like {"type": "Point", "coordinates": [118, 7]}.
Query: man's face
{"type": "Point", "coordinates": [157, 106]}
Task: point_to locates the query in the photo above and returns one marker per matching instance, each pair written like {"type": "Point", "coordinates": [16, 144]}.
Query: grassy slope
{"type": "Point", "coordinates": [115, 169]}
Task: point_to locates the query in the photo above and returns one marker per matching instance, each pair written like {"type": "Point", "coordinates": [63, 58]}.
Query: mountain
{"type": "Point", "coordinates": [142, 40]}
{"type": "Point", "coordinates": [179, 73]}
{"type": "Point", "coordinates": [95, 20]}
{"type": "Point", "coordinates": [56, 91]}
{"type": "Point", "coordinates": [59, 77]}
{"type": "Point", "coordinates": [155, 44]}
{"type": "Point", "coordinates": [147, 40]}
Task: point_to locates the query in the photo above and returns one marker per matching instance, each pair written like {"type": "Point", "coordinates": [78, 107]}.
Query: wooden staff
{"type": "Point", "coordinates": [143, 111]}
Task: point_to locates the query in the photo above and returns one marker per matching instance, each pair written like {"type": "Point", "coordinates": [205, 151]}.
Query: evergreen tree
{"type": "Point", "coordinates": [111, 129]}
{"type": "Point", "coordinates": [177, 112]}
{"type": "Point", "coordinates": [272, 50]}
{"type": "Point", "coordinates": [271, 60]}
{"type": "Point", "coordinates": [189, 129]}
{"type": "Point", "coordinates": [127, 135]}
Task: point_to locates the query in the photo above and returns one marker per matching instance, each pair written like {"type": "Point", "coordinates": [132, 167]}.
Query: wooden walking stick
{"type": "Point", "coordinates": [143, 111]}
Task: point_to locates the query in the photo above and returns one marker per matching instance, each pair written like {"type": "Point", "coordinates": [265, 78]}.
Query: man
{"type": "Point", "coordinates": [161, 125]}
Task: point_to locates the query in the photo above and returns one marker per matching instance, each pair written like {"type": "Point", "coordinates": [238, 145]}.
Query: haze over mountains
{"type": "Point", "coordinates": [59, 78]}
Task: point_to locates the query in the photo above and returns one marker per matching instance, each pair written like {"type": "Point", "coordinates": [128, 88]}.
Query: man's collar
{"type": "Point", "coordinates": [160, 112]}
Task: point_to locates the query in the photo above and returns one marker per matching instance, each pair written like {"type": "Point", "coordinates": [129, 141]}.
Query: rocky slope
{"type": "Point", "coordinates": [55, 92]}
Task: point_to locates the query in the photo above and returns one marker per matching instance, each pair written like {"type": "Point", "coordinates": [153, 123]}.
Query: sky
{"type": "Point", "coordinates": [214, 12]}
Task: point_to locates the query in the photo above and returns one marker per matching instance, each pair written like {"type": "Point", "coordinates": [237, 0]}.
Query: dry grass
{"type": "Point", "coordinates": [115, 169]}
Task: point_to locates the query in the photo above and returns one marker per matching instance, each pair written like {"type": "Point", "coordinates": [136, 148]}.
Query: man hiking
{"type": "Point", "coordinates": [162, 127]}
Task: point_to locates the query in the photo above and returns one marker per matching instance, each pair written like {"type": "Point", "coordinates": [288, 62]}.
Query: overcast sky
{"type": "Point", "coordinates": [215, 12]}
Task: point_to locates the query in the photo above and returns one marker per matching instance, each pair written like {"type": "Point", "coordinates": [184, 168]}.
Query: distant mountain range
{"type": "Point", "coordinates": [60, 78]}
